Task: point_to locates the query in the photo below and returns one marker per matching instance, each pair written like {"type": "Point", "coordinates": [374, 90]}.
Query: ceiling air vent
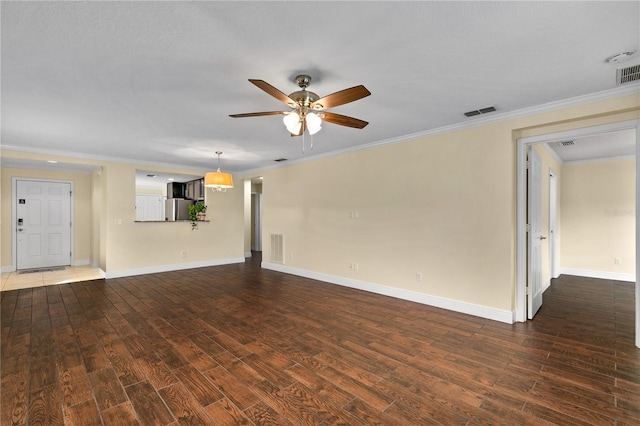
{"type": "Point", "coordinates": [628, 74]}
{"type": "Point", "coordinates": [480, 111]}
{"type": "Point", "coordinates": [567, 143]}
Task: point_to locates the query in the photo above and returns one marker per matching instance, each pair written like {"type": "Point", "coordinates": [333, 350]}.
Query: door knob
{"type": "Point", "coordinates": [542, 238]}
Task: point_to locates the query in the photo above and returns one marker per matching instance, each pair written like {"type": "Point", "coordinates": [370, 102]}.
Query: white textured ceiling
{"type": "Point", "coordinates": [154, 82]}
{"type": "Point", "coordinates": [601, 146]}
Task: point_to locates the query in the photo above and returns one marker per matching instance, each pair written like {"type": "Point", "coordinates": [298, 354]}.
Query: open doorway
{"type": "Point", "coordinates": [521, 250]}
{"type": "Point", "coordinates": [253, 215]}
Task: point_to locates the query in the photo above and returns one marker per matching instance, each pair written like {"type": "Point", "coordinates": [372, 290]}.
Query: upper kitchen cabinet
{"type": "Point", "coordinates": [195, 189]}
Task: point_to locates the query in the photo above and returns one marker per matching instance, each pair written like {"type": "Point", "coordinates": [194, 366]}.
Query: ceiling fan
{"type": "Point", "coordinates": [308, 109]}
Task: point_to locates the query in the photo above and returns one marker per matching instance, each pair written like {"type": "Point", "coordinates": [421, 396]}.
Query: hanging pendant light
{"type": "Point", "coordinates": [218, 181]}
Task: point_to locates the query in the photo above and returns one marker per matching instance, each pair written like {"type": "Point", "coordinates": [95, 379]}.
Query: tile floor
{"type": "Point", "coordinates": [15, 281]}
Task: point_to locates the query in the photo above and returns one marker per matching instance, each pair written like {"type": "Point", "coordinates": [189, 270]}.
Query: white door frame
{"type": "Point", "coordinates": [521, 207]}
{"type": "Point", "coordinates": [14, 216]}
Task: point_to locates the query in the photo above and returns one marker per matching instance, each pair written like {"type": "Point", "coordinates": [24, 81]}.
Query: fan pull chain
{"type": "Point", "coordinates": [303, 141]}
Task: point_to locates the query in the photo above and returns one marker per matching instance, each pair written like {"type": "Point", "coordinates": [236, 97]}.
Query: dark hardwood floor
{"type": "Point", "coordinates": [237, 345]}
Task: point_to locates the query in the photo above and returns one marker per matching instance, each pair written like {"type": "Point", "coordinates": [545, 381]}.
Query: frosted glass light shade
{"type": "Point", "coordinates": [314, 123]}
{"type": "Point", "coordinates": [292, 122]}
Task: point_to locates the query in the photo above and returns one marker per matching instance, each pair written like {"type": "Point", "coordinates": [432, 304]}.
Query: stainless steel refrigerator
{"type": "Point", "coordinates": [177, 209]}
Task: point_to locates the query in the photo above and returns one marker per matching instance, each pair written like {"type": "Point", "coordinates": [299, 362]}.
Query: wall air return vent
{"type": "Point", "coordinates": [277, 248]}
{"type": "Point", "coordinates": [627, 75]}
{"type": "Point", "coordinates": [279, 160]}
{"type": "Point", "coordinates": [484, 110]}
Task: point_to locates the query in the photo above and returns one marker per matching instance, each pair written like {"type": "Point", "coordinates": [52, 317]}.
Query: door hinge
{"type": "Point", "coordinates": [528, 227]}
{"type": "Point", "coordinates": [527, 291]}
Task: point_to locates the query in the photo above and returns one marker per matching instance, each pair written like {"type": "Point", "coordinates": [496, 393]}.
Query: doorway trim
{"type": "Point", "coordinates": [521, 207]}
{"type": "Point", "coordinates": [14, 216]}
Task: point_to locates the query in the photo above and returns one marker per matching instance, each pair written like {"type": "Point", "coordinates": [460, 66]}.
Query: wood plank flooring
{"type": "Point", "coordinates": [237, 345]}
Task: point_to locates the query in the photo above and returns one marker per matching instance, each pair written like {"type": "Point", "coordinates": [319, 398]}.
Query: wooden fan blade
{"type": "Point", "coordinates": [273, 91]}
{"type": "Point", "coordinates": [342, 97]}
{"type": "Point", "coordinates": [343, 120]}
{"type": "Point", "coordinates": [256, 114]}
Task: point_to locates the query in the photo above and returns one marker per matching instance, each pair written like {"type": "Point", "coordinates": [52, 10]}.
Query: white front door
{"type": "Point", "coordinates": [43, 224]}
{"type": "Point", "coordinates": [535, 237]}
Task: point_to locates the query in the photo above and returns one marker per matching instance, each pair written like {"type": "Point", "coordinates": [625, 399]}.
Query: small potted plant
{"type": "Point", "coordinates": [197, 212]}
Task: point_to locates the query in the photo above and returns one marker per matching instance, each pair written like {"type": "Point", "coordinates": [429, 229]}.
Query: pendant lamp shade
{"type": "Point", "coordinates": [218, 181]}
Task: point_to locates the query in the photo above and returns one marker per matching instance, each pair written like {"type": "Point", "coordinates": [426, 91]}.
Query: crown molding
{"type": "Point", "coordinates": [473, 122]}
{"type": "Point", "coordinates": [604, 95]}
{"type": "Point", "coordinates": [100, 159]}
{"type": "Point", "coordinates": [600, 160]}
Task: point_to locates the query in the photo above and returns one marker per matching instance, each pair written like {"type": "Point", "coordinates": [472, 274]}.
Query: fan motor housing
{"type": "Point", "coordinates": [304, 98]}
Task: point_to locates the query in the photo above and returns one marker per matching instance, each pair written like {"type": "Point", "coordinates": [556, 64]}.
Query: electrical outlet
{"type": "Point", "coordinates": [353, 266]}
{"type": "Point", "coordinates": [183, 253]}
{"type": "Point", "coordinates": [418, 276]}
{"type": "Point", "coordinates": [617, 261]}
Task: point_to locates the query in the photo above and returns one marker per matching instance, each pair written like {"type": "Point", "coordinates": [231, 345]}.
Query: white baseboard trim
{"type": "Point", "coordinates": [81, 262]}
{"type": "Point", "coordinates": [616, 276]}
{"type": "Point", "coordinates": [7, 269]}
{"type": "Point", "coordinates": [412, 296]}
{"type": "Point", "coordinates": [546, 285]}
{"type": "Point", "coordinates": [173, 267]}
{"type": "Point", "coordinates": [247, 254]}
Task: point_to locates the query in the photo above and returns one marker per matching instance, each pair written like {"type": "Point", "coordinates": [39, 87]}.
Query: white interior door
{"type": "Point", "coordinates": [43, 224]}
{"type": "Point", "coordinates": [553, 225]}
{"type": "Point", "coordinates": [535, 237]}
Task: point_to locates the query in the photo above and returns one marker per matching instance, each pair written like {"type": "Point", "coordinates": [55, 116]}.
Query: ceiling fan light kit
{"type": "Point", "coordinates": [308, 108]}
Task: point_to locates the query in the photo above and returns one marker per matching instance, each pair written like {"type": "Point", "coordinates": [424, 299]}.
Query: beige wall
{"type": "Point", "coordinates": [442, 205]}
{"type": "Point", "coordinates": [82, 210]}
{"type": "Point", "coordinates": [598, 216]}
{"type": "Point", "coordinates": [106, 233]}
{"type": "Point", "coordinates": [131, 246]}
{"type": "Point", "coordinates": [98, 204]}
{"type": "Point", "coordinates": [247, 216]}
